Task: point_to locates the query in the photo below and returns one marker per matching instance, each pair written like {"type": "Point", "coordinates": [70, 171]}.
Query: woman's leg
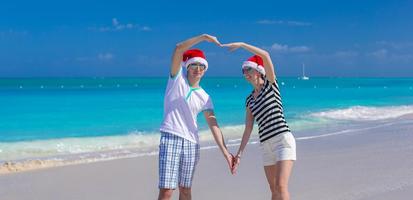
{"type": "Point", "coordinates": [278, 176]}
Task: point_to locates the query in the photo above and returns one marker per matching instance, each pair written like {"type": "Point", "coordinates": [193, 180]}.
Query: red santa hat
{"type": "Point", "coordinates": [256, 63]}
{"type": "Point", "coordinates": [192, 56]}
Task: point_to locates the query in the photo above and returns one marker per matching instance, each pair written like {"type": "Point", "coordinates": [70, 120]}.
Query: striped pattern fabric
{"type": "Point", "coordinates": [178, 158]}
{"type": "Point", "coordinates": [267, 110]}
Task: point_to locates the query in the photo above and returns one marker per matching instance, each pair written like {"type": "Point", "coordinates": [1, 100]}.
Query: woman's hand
{"type": "Point", "coordinates": [236, 161]}
{"type": "Point", "coordinates": [212, 39]}
{"type": "Point", "coordinates": [233, 46]}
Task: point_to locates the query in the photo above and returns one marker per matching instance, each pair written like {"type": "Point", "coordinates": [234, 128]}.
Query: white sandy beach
{"type": "Point", "coordinates": [369, 163]}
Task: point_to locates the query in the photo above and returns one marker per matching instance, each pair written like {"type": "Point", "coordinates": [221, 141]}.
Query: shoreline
{"type": "Point", "coordinates": [44, 163]}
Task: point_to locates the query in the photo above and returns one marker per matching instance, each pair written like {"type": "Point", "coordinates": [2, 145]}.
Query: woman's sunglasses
{"type": "Point", "coordinates": [248, 70]}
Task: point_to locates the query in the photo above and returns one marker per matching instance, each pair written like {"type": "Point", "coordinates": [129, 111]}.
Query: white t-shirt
{"type": "Point", "coordinates": [182, 104]}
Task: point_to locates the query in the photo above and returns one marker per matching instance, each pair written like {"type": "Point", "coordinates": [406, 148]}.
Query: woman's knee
{"type": "Point", "coordinates": [280, 187]}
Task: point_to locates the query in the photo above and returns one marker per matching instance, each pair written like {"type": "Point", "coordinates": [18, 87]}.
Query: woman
{"type": "Point", "coordinates": [264, 105]}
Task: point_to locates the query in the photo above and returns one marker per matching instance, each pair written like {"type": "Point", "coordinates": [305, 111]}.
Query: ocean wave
{"type": "Point", "coordinates": [365, 113]}
{"type": "Point", "coordinates": [65, 146]}
{"type": "Point", "coordinates": [135, 142]}
{"type": "Point", "coordinates": [28, 155]}
{"type": "Point", "coordinates": [141, 142]}
{"type": "Point", "coordinates": [127, 149]}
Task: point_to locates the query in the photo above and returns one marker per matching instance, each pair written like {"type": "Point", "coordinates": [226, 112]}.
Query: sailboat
{"type": "Point", "coordinates": [304, 77]}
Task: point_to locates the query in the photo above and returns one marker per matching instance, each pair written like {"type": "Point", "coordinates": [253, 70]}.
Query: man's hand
{"type": "Point", "coordinates": [236, 161]}
{"type": "Point", "coordinates": [230, 160]}
{"type": "Point", "coordinates": [212, 39]}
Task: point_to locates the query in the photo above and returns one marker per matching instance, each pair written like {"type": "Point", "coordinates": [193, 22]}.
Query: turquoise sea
{"type": "Point", "coordinates": [55, 117]}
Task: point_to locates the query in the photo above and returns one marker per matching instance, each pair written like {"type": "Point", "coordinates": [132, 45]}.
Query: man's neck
{"type": "Point", "coordinates": [193, 82]}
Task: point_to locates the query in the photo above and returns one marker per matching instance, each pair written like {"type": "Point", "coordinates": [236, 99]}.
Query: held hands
{"type": "Point", "coordinates": [232, 46]}
{"type": "Point", "coordinates": [230, 160]}
{"type": "Point", "coordinates": [211, 38]}
{"type": "Point", "coordinates": [233, 162]}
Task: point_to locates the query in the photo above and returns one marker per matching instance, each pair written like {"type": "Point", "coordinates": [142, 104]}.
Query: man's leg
{"type": "Point", "coordinates": [170, 149]}
{"type": "Point", "coordinates": [185, 193]}
{"type": "Point", "coordinates": [165, 194]}
{"type": "Point", "coordinates": [189, 160]}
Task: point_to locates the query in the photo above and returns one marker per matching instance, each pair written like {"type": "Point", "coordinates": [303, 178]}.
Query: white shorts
{"type": "Point", "coordinates": [280, 147]}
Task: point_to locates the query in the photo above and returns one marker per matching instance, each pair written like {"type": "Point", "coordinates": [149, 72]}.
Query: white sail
{"type": "Point", "coordinates": [304, 77]}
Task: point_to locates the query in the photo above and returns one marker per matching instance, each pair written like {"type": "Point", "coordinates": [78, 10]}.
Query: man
{"type": "Point", "coordinates": [184, 99]}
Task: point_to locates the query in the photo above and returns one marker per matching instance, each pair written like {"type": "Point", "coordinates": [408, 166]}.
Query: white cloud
{"type": "Point", "coordinates": [390, 56]}
{"type": "Point", "coordinates": [282, 22]}
{"type": "Point", "coordinates": [101, 57]}
{"type": "Point", "coordinates": [145, 28]}
{"type": "Point", "coordinates": [279, 47]}
{"type": "Point", "coordinates": [13, 33]}
{"type": "Point", "coordinates": [300, 49]}
{"type": "Point", "coordinates": [118, 26]}
{"type": "Point", "coordinates": [346, 54]}
{"type": "Point", "coordinates": [105, 56]}
{"type": "Point", "coordinates": [115, 22]}
{"type": "Point", "coordinates": [270, 22]}
{"type": "Point", "coordinates": [395, 45]}
{"type": "Point", "coordinates": [282, 48]}
{"type": "Point", "coordinates": [297, 23]}
{"type": "Point", "coordinates": [405, 58]}
{"type": "Point", "coordinates": [381, 53]}
{"type": "Point", "coordinates": [82, 59]}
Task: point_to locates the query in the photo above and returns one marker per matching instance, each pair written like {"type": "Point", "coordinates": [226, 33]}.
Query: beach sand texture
{"type": "Point", "coordinates": [369, 163]}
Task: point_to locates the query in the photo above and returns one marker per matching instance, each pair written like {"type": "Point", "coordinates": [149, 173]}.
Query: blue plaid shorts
{"type": "Point", "coordinates": [178, 158]}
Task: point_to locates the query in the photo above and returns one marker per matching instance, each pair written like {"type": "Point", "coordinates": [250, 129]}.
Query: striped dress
{"type": "Point", "coordinates": [267, 110]}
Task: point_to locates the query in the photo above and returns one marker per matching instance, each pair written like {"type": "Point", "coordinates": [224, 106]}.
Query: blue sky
{"type": "Point", "coordinates": [136, 38]}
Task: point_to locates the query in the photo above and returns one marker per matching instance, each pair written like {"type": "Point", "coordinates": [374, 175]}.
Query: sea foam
{"type": "Point", "coordinates": [365, 113]}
